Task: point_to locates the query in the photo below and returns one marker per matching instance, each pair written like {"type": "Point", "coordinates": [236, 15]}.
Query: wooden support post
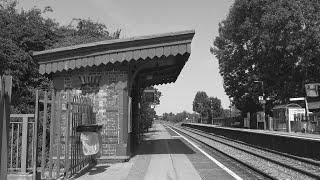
{"type": "Point", "coordinates": [24, 146]}
{"type": "Point", "coordinates": [35, 136]}
{"type": "Point", "coordinates": [58, 135]}
{"type": "Point", "coordinates": [52, 129]}
{"type": "Point", "coordinates": [5, 101]}
{"type": "Point", "coordinates": [44, 131]}
{"type": "Point", "coordinates": [67, 137]}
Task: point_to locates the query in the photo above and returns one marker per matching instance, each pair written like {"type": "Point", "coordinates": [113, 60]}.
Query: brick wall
{"type": "Point", "coordinates": [107, 90]}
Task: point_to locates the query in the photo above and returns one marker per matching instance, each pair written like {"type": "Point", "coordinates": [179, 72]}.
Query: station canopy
{"type": "Point", "coordinates": [154, 59]}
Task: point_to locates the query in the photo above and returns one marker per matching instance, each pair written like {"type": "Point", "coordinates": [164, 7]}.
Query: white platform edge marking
{"type": "Point", "coordinates": [210, 157]}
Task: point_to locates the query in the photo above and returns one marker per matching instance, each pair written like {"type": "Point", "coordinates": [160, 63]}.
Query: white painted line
{"type": "Point", "coordinates": [210, 157]}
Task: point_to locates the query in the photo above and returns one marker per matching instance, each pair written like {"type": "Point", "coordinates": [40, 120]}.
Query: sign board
{"type": "Point", "coordinates": [149, 95]}
{"type": "Point", "coordinates": [312, 89]}
{"type": "Point", "coordinates": [297, 99]}
{"type": "Point", "coordinates": [295, 111]}
{"type": "Point", "coordinates": [262, 102]}
{"type": "Point", "coordinates": [260, 98]}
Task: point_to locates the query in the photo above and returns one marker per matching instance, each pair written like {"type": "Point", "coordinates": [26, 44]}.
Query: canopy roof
{"type": "Point", "coordinates": [166, 55]}
{"type": "Point", "coordinates": [285, 106]}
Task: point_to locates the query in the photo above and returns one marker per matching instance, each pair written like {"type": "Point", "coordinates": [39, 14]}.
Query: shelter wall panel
{"type": "Point", "coordinates": [107, 99]}
{"type": "Point", "coordinates": [58, 83]}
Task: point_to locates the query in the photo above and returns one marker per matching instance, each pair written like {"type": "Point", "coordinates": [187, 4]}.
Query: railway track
{"type": "Point", "coordinates": [268, 163]}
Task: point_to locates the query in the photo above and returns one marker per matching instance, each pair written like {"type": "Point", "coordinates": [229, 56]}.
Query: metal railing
{"type": "Point", "coordinates": [21, 137]}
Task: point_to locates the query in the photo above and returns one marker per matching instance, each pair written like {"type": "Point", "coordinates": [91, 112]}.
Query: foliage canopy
{"type": "Point", "coordinates": [22, 32]}
{"type": "Point", "coordinates": [274, 41]}
{"type": "Point", "coordinates": [207, 107]}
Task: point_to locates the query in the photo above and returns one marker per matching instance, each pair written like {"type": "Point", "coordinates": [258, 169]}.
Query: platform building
{"type": "Point", "coordinates": [113, 74]}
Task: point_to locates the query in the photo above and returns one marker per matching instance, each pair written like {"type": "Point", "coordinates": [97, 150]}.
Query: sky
{"type": "Point", "coordinates": [145, 17]}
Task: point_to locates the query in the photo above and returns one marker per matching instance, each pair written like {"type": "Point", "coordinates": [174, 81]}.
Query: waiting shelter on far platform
{"type": "Point", "coordinates": [113, 74]}
{"type": "Point", "coordinates": [284, 116]}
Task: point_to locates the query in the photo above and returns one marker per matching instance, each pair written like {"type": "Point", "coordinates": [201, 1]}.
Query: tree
{"type": "Point", "coordinates": [207, 107]}
{"type": "Point", "coordinates": [147, 111]}
{"type": "Point", "coordinates": [83, 31]}
{"type": "Point", "coordinates": [274, 41]}
{"type": "Point", "coordinates": [216, 109]}
{"type": "Point", "coordinates": [201, 104]}
{"type": "Point", "coordinates": [179, 117]}
{"type": "Point", "coordinates": [22, 32]}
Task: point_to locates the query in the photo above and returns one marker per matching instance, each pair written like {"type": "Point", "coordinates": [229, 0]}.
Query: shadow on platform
{"type": "Point", "coordinates": [92, 170]}
{"type": "Point", "coordinates": [153, 131]}
{"type": "Point", "coordinates": [163, 146]}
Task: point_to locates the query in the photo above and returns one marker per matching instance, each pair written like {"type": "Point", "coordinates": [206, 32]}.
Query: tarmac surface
{"type": "Point", "coordinates": [162, 155]}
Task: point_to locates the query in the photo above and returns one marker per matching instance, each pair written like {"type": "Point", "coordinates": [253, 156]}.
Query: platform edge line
{"type": "Point", "coordinates": [210, 157]}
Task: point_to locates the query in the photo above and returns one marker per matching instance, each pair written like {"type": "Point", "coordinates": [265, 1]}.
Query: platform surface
{"type": "Point", "coordinates": [300, 135]}
{"type": "Point", "coordinates": [163, 155]}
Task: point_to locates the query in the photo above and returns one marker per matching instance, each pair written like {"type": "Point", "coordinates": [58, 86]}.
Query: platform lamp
{"type": "Point", "coordinates": [263, 102]}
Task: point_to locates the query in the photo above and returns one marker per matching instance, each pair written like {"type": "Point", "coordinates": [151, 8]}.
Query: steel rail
{"type": "Point", "coordinates": [259, 156]}
{"type": "Point", "coordinates": [305, 160]}
{"type": "Point", "coordinates": [256, 170]}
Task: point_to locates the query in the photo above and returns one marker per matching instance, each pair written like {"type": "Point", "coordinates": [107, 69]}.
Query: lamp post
{"type": "Point", "coordinates": [201, 107]}
{"type": "Point", "coordinates": [230, 106]}
{"type": "Point", "coordinates": [263, 103]}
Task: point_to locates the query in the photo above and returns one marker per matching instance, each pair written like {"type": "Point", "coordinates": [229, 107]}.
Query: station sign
{"type": "Point", "coordinates": [312, 89]}
{"type": "Point", "coordinates": [261, 100]}
{"type": "Point", "coordinates": [149, 95]}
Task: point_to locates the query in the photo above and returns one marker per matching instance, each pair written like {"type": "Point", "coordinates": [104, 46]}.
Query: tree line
{"type": "Point", "coordinates": [268, 47]}
{"type": "Point", "coordinates": [205, 109]}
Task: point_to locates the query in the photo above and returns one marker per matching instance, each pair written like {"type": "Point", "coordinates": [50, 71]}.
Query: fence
{"type": "Point", "coordinates": [45, 143]}
{"type": "Point", "coordinates": [5, 100]}
{"type": "Point", "coordinates": [21, 139]}
{"type": "Point", "coordinates": [61, 152]}
{"type": "Point", "coordinates": [310, 125]}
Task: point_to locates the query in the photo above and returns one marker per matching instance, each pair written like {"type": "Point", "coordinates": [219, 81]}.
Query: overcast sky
{"type": "Point", "coordinates": [144, 17]}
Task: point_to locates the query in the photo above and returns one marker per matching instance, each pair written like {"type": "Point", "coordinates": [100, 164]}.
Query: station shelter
{"type": "Point", "coordinates": [114, 73]}
{"type": "Point", "coordinates": [284, 117]}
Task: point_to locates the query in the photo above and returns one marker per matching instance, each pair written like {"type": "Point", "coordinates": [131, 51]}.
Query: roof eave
{"type": "Point", "coordinates": [118, 44]}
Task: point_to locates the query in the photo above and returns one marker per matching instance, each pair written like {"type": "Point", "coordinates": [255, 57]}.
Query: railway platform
{"type": "Point", "coordinates": [298, 144]}
{"type": "Point", "coordinates": [164, 154]}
